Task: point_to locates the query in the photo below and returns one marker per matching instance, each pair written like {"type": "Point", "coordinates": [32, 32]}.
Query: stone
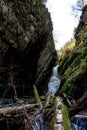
{"type": "Point", "coordinates": [29, 43]}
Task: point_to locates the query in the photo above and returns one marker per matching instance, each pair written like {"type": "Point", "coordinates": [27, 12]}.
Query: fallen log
{"type": "Point", "coordinates": [67, 100]}
{"type": "Point", "coordinates": [17, 109]}
{"type": "Point", "coordinates": [82, 101]}
{"type": "Point", "coordinates": [58, 124]}
{"type": "Point", "coordinates": [60, 120]}
{"type": "Point", "coordinates": [38, 101]}
{"type": "Point", "coordinates": [48, 100]}
{"type": "Point", "coordinates": [79, 105]}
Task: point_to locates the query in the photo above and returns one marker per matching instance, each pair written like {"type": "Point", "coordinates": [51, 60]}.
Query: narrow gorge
{"type": "Point", "coordinates": [40, 88]}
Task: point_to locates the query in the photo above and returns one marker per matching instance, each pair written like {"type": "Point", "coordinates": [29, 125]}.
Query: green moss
{"type": "Point", "coordinates": [75, 65]}
{"type": "Point", "coordinates": [10, 38]}
{"type": "Point", "coordinates": [38, 101]}
{"type": "Point", "coordinates": [66, 87]}
{"type": "Point", "coordinates": [66, 121]}
{"type": "Point", "coordinates": [39, 12]}
{"type": "Point", "coordinates": [86, 58]}
{"type": "Point", "coordinates": [36, 1]}
{"type": "Point", "coordinates": [72, 73]}
{"type": "Point", "coordinates": [84, 52]}
{"type": "Point", "coordinates": [5, 101]}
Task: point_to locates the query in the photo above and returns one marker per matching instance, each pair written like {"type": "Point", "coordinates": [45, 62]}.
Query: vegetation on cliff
{"type": "Point", "coordinates": [27, 56]}
{"type": "Point", "coordinates": [26, 44]}
{"type": "Point", "coordinates": [73, 64]}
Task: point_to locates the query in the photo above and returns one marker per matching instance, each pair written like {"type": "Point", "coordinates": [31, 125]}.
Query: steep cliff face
{"type": "Point", "coordinates": [26, 45]}
{"type": "Point", "coordinates": [73, 66]}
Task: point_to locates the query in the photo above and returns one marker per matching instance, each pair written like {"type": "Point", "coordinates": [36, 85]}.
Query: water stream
{"type": "Point", "coordinates": [79, 121]}
{"type": "Point", "coordinates": [41, 125]}
{"type": "Point", "coordinates": [53, 86]}
{"type": "Point", "coordinates": [54, 82]}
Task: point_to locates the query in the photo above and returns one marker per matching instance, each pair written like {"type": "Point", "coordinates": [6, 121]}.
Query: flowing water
{"type": "Point", "coordinates": [37, 119]}
{"type": "Point", "coordinates": [54, 82]}
{"type": "Point", "coordinates": [41, 125]}
{"type": "Point", "coordinates": [53, 86]}
{"type": "Point", "coordinates": [79, 122]}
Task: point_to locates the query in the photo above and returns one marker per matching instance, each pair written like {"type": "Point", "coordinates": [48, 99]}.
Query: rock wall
{"type": "Point", "coordinates": [73, 65]}
{"type": "Point", "coordinates": [26, 45]}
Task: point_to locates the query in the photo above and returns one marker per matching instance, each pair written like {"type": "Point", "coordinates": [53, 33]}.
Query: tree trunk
{"type": "Point", "coordinates": [16, 109]}
{"type": "Point", "coordinates": [38, 101]}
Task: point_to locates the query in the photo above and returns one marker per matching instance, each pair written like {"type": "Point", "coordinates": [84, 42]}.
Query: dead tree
{"type": "Point", "coordinates": [11, 82]}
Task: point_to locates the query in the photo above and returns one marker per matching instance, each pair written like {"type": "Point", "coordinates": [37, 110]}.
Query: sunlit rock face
{"type": "Point", "coordinates": [26, 44]}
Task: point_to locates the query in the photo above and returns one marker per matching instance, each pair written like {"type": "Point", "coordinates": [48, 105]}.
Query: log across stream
{"type": "Point", "coordinates": [25, 116]}
{"type": "Point", "coordinates": [43, 113]}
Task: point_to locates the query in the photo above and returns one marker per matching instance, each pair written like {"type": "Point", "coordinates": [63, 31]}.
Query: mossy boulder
{"type": "Point", "coordinates": [66, 120]}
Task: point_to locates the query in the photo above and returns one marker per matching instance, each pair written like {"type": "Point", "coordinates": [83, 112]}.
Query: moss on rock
{"type": "Point", "coordinates": [26, 43]}
{"type": "Point", "coordinates": [66, 120]}
{"type": "Point", "coordinates": [73, 65]}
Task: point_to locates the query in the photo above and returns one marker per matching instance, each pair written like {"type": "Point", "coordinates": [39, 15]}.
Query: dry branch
{"type": "Point", "coordinates": [16, 109]}
{"type": "Point", "coordinates": [48, 99]}
{"type": "Point", "coordinates": [29, 121]}
{"type": "Point", "coordinates": [38, 101]}
{"type": "Point", "coordinates": [11, 83]}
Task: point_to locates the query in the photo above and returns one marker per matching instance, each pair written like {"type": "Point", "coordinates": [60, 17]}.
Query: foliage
{"type": "Point", "coordinates": [39, 13]}
{"type": "Point", "coordinates": [66, 121]}
{"type": "Point", "coordinates": [5, 101]}
{"type": "Point", "coordinates": [66, 49]}
{"type": "Point", "coordinates": [80, 4]}
{"type": "Point", "coordinates": [73, 65]}
{"type": "Point", "coordinates": [77, 9]}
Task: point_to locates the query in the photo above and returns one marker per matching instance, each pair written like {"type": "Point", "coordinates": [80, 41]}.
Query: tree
{"type": "Point", "coordinates": [77, 9]}
{"type": "Point", "coordinates": [11, 82]}
{"type": "Point", "coordinates": [80, 4]}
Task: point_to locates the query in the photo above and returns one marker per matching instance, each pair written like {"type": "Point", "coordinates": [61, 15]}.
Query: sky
{"type": "Point", "coordinates": [63, 20]}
